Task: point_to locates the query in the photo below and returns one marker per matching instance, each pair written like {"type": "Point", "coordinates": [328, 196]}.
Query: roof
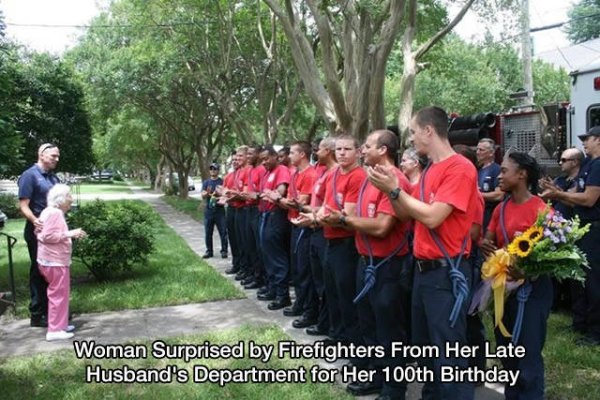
{"type": "Point", "coordinates": [578, 57]}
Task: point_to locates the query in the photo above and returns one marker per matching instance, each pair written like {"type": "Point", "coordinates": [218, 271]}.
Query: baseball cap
{"type": "Point", "coordinates": [214, 166]}
{"type": "Point", "coordinates": [594, 131]}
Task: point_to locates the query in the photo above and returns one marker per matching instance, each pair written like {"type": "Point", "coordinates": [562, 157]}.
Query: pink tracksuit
{"type": "Point", "coordinates": [54, 260]}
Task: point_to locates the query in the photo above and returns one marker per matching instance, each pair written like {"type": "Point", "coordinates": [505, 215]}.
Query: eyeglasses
{"type": "Point", "coordinates": [562, 160]}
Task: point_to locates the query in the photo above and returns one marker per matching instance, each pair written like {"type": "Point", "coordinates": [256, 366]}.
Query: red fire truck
{"type": "Point", "coordinates": [543, 132]}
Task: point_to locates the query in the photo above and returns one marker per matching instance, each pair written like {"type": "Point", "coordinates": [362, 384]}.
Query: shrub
{"type": "Point", "coordinates": [120, 236]}
{"type": "Point", "coordinates": [9, 204]}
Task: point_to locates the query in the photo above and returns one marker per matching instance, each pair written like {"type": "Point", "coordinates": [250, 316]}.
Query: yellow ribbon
{"type": "Point", "coordinates": [496, 268]}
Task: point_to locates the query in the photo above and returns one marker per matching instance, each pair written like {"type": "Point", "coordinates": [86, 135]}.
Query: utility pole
{"type": "Point", "coordinates": [526, 53]}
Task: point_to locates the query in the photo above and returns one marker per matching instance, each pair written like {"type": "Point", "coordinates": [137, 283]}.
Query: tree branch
{"type": "Point", "coordinates": [443, 32]}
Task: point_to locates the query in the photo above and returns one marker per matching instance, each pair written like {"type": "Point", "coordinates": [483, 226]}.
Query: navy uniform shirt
{"type": "Point", "coordinates": [34, 185]}
{"type": "Point", "coordinates": [566, 185]}
{"type": "Point", "coordinates": [589, 175]}
{"type": "Point", "coordinates": [210, 186]}
{"type": "Point", "coordinates": [487, 180]}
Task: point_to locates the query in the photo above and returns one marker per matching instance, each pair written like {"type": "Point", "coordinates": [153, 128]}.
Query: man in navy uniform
{"type": "Point", "coordinates": [214, 213]}
{"type": "Point", "coordinates": [487, 177]}
{"type": "Point", "coordinates": [34, 185]}
{"type": "Point", "coordinates": [586, 204]}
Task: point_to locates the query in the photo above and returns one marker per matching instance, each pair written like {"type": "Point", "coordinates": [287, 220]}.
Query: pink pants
{"type": "Point", "coordinates": [59, 287]}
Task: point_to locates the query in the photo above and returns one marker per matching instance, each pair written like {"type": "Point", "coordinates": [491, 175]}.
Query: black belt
{"type": "Point", "coordinates": [428, 265]}
{"type": "Point", "coordinates": [376, 260]}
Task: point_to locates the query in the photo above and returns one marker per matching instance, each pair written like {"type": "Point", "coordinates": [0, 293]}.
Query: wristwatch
{"type": "Point", "coordinates": [394, 194]}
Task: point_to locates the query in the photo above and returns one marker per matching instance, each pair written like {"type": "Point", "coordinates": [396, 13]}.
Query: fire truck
{"type": "Point", "coordinates": [543, 132]}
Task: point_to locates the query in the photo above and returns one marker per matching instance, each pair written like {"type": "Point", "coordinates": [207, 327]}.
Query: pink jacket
{"type": "Point", "coordinates": [54, 240]}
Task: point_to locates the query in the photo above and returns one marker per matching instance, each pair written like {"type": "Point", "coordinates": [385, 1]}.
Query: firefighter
{"type": "Point", "coordinates": [586, 204]}
{"type": "Point", "coordinates": [442, 243]}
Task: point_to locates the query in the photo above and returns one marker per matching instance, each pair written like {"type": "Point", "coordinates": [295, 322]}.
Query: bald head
{"type": "Point", "coordinates": [571, 160]}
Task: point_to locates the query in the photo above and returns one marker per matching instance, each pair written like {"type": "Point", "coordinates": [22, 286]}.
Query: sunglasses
{"type": "Point", "coordinates": [48, 147]}
{"type": "Point", "coordinates": [562, 160]}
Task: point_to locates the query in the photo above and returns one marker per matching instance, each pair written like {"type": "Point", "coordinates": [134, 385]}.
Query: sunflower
{"type": "Point", "coordinates": [534, 234]}
{"type": "Point", "coordinates": [521, 246]}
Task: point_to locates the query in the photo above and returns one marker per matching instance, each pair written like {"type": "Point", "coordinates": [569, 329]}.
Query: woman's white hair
{"type": "Point", "coordinates": [57, 195]}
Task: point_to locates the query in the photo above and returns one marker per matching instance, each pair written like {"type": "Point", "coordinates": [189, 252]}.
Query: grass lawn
{"type": "Point", "coordinates": [190, 206]}
{"type": "Point", "coordinates": [61, 375]}
{"type": "Point", "coordinates": [175, 275]}
{"type": "Point", "coordinates": [96, 188]}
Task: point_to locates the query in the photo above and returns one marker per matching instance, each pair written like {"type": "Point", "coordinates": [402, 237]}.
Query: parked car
{"type": "Point", "coordinates": [191, 184]}
{"type": "Point", "coordinates": [104, 175]}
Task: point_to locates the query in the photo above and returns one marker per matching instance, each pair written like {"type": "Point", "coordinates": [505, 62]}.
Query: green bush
{"type": "Point", "coordinates": [120, 236]}
{"type": "Point", "coordinates": [9, 204]}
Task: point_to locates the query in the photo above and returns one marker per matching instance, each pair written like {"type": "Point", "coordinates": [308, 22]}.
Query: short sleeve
{"type": "Point", "coordinates": [354, 184]}
{"type": "Point", "coordinates": [26, 185]}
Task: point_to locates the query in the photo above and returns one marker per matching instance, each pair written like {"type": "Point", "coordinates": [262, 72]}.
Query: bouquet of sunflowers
{"type": "Point", "coordinates": [546, 248]}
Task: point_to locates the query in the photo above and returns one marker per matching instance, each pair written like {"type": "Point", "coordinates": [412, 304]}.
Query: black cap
{"type": "Point", "coordinates": [594, 131]}
{"type": "Point", "coordinates": [214, 166]}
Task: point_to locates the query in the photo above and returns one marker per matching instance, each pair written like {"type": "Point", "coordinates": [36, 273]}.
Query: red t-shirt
{"type": "Point", "coordinates": [239, 178]}
{"type": "Point", "coordinates": [372, 202]}
{"type": "Point", "coordinates": [347, 186]}
{"type": "Point", "coordinates": [318, 191]}
{"type": "Point", "coordinates": [228, 181]}
{"type": "Point", "coordinates": [271, 181]}
{"type": "Point", "coordinates": [450, 181]}
{"type": "Point", "coordinates": [476, 209]}
{"type": "Point", "coordinates": [254, 176]}
{"type": "Point", "coordinates": [301, 183]}
{"type": "Point", "coordinates": [517, 218]}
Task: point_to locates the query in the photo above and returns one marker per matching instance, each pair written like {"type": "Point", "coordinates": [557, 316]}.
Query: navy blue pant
{"type": "Point", "coordinates": [475, 327]}
{"type": "Point", "coordinates": [383, 315]}
{"type": "Point", "coordinates": [318, 250]}
{"type": "Point", "coordinates": [432, 302]}
{"type": "Point", "coordinates": [340, 284]}
{"type": "Point", "coordinates": [306, 299]}
{"type": "Point", "coordinates": [212, 217]}
{"type": "Point", "coordinates": [232, 235]}
{"type": "Point", "coordinates": [254, 258]}
{"type": "Point", "coordinates": [586, 299]}
{"type": "Point", "coordinates": [530, 383]}
{"type": "Point", "coordinates": [275, 247]}
{"type": "Point", "coordinates": [38, 307]}
{"type": "Point", "coordinates": [241, 232]}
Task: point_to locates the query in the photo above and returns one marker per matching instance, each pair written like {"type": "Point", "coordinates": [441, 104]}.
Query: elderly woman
{"type": "Point", "coordinates": [412, 165]}
{"type": "Point", "coordinates": [54, 260]}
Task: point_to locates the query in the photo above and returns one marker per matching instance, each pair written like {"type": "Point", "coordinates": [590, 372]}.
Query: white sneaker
{"type": "Point", "coordinates": [60, 335]}
{"type": "Point", "coordinates": [70, 328]}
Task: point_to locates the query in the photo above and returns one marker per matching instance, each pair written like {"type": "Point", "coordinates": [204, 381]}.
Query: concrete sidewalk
{"type": "Point", "coordinates": [18, 339]}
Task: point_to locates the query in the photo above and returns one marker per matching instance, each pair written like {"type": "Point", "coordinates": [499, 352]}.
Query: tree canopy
{"type": "Point", "coordinates": [40, 102]}
{"type": "Point", "coordinates": [584, 21]}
